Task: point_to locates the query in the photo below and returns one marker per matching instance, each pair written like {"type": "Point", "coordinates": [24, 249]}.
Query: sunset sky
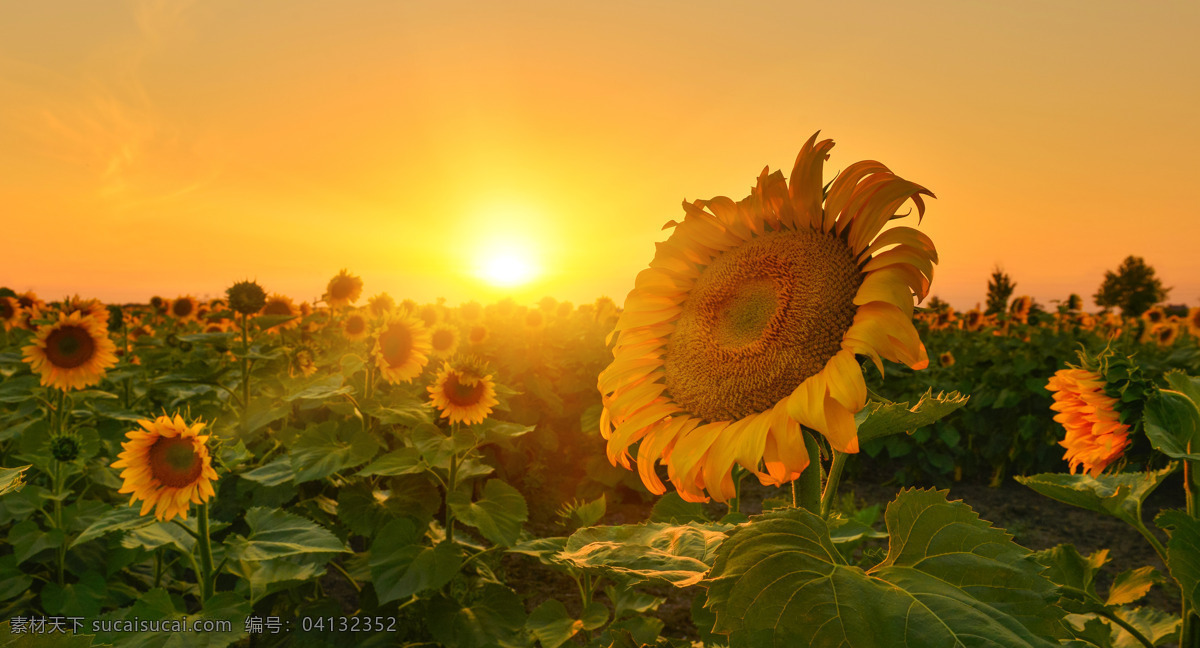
{"type": "Point", "coordinates": [441, 149]}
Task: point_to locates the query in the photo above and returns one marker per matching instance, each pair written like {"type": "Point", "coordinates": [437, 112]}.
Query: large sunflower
{"type": "Point", "coordinates": [167, 466]}
{"type": "Point", "coordinates": [747, 323]}
{"type": "Point", "coordinates": [464, 392]}
{"type": "Point", "coordinates": [401, 348]}
{"type": "Point", "coordinates": [72, 353]}
{"type": "Point", "coordinates": [184, 308]}
{"type": "Point", "coordinates": [1096, 437]}
{"type": "Point", "coordinates": [10, 312]}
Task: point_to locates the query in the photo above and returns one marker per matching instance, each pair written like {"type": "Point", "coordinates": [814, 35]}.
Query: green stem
{"type": "Point", "coordinates": [158, 567]}
{"type": "Point", "coordinates": [245, 368]}
{"type": "Point", "coordinates": [451, 484]}
{"type": "Point", "coordinates": [831, 483]}
{"type": "Point", "coordinates": [204, 542]}
{"type": "Point", "coordinates": [808, 492]}
{"type": "Point", "coordinates": [1189, 633]}
{"type": "Point", "coordinates": [341, 570]}
{"type": "Point", "coordinates": [56, 478]}
{"type": "Point", "coordinates": [1108, 614]}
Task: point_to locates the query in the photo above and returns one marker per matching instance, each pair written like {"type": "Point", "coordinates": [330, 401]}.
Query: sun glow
{"type": "Point", "coordinates": [509, 238]}
{"type": "Point", "coordinates": [507, 268]}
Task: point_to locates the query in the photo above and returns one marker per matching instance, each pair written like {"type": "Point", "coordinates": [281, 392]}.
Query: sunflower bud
{"type": "Point", "coordinates": [246, 297]}
{"type": "Point", "coordinates": [116, 318]}
{"type": "Point", "coordinates": [65, 447]}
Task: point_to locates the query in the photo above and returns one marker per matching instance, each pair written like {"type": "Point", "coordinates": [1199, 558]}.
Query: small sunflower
{"type": "Point", "coordinates": [443, 340]}
{"type": "Point", "coordinates": [470, 312]}
{"type": "Point", "coordinates": [167, 466]}
{"type": "Point", "coordinates": [946, 359]}
{"type": "Point", "coordinates": [534, 320]}
{"type": "Point", "coordinates": [430, 314]}
{"type": "Point", "coordinates": [246, 297]}
{"type": "Point", "coordinates": [1095, 435]}
{"type": "Point", "coordinates": [354, 326]}
{"type": "Point", "coordinates": [464, 392]}
{"type": "Point", "coordinates": [1193, 321]}
{"type": "Point", "coordinates": [401, 348]}
{"type": "Point", "coordinates": [748, 321]}
{"type": "Point", "coordinates": [304, 361]}
{"type": "Point", "coordinates": [1164, 335]}
{"type": "Point", "coordinates": [344, 289]}
{"type": "Point", "coordinates": [1155, 315]}
{"type": "Point", "coordinates": [10, 312]}
{"type": "Point", "coordinates": [278, 304]}
{"type": "Point", "coordinates": [380, 305]}
{"type": "Point", "coordinates": [72, 353]}
{"type": "Point", "coordinates": [89, 307]}
{"type": "Point", "coordinates": [184, 308]}
{"type": "Point", "coordinates": [564, 310]}
{"type": "Point", "coordinates": [1020, 308]}
{"type": "Point", "coordinates": [477, 334]}
{"type": "Point", "coordinates": [974, 320]}
{"type": "Point", "coordinates": [29, 300]}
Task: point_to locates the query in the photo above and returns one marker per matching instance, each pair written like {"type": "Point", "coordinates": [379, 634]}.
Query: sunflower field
{"type": "Point", "coordinates": [664, 471]}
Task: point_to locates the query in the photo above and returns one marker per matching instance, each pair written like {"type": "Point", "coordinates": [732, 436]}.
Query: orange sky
{"type": "Point", "coordinates": [155, 147]}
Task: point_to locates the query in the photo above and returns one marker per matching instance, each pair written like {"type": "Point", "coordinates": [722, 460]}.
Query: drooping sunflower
{"type": "Point", "coordinates": [464, 392]}
{"type": "Point", "coordinates": [1095, 435]}
{"type": "Point", "coordinates": [443, 340]}
{"type": "Point", "coordinates": [1020, 308]}
{"type": "Point", "coordinates": [167, 466]}
{"type": "Point", "coordinates": [30, 301]}
{"type": "Point", "coordinates": [278, 304]}
{"type": "Point", "coordinates": [184, 308]}
{"type": "Point", "coordinates": [10, 312]}
{"type": "Point", "coordinates": [344, 289]}
{"type": "Point", "coordinates": [747, 324]}
{"type": "Point", "coordinates": [1193, 321]}
{"type": "Point", "coordinates": [355, 327]}
{"type": "Point", "coordinates": [401, 348]}
{"type": "Point", "coordinates": [89, 307]}
{"type": "Point", "coordinates": [72, 353]}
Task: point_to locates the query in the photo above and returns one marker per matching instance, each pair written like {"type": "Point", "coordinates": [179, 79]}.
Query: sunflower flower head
{"type": "Point", "coordinates": [1099, 403]}
{"type": "Point", "coordinates": [747, 324]}
{"type": "Point", "coordinates": [443, 340]}
{"type": "Point", "coordinates": [464, 391]}
{"type": "Point", "coordinates": [380, 305]}
{"type": "Point", "coordinates": [167, 466]}
{"type": "Point", "coordinates": [355, 327]}
{"type": "Point", "coordinates": [184, 308]}
{"type": "Point", "coordinates": [946, 359]}
{"type": "Point", "coordinates": [10, 312]}
{"type": "Point", "coordinates": [72, 353]}
{"type": "Point", "coordinates": [65, 447]}
{"type": "Point", "coordinates": [344, 289]}
{"type": "Point", "coordinates": [477, 334]}
{"type": "Point", "coordinates": [281, 305]}
{"type": "Point", "coordinates": [304, 361]}
{"type": "Point", "coordinates": [246, 297]}
{"type": "Point", "coordinates": [401, 348]}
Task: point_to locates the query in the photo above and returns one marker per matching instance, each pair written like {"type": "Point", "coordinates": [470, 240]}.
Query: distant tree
{"type": "Point", "coordinates": [1133, 288]}
{"type": "Point", "coordinates": [1075, 302]}
{"type": "Point", "coordinates": [1000, 288]}
{"type": "Point", "coordinates": [936, 304]}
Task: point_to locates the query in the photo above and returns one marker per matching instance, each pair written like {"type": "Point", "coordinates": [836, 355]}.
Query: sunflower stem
{"type": "Point", "coordinates": [808, 494]}
{"type": "Point", "coordinates": [1189, 633]}
{"type": "Point", "coordinates": [245, 368]}
{"type": "Point", "coordinates": [451, 483]}
{"type": "Point", "coordinates": [204, 542]}
{"type": "Point", "coordinates": [831, 482]}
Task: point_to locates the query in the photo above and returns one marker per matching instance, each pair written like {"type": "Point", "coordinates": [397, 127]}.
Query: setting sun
{"type": "Point", "coordinates": [506, 268]}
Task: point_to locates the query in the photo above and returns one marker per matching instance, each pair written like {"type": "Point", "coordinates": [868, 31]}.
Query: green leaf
{"type": "Point", "coordinates": [158, 535]}
{"type": "Point", "coordinates": [319, 389]}
{"type": "Point", "coordinates": [27, 639]}
{"type": "Point", "coordinates": [1120, 495]}
{"type": "Point", "coordinates": [408, 413]}
{"type": "Point", "coordinates": [1068, 568]}
{"type": "Point", "coordinates": [878, 420]}
{"type": "Point", "coordinates": [1156, 625]}
{"type": "Point", "coordinates": [28, 540]}
{"type": "Point", "coordinates": [13, 581]}
{"type": "Point", "coordinates": [629, 602]}
{"type": "Point", "coordinates": [594, 615]}
{"type": "Point", "coordinates": [498, 516]}
{"type": "Point", "coordinates": [949, 579]}
{"type": "Point", "coordinates": [12, 479]}
{"type": "Point", "coordinates": [679, 555]}
{"type": "Point", "coordinates": [402, 565]}
{"type": "Point", "coordinates": [267, 321]}
{"type": "Point", "coordinates": [544, 549]}
{"type": "Point", "coordinates": [324, 449]}
{"type": "Point", "coordinates": [1172, 424]}
{"type": "Point", "coordinates": [83, 598]}
{"type": "Point", "coordinates": [405, 461]}
{"type": "Point", "coordinates": [1183, 552]}
{"type": "Point", "coordinates": [275, 473]}
{"type": "Point", "coordinates": [263, 412]}
{"type": "Point", "coordinates": [275, 534]}
{"type": "Point", "coordinates": [588, 514]}
{"type": "Point", "coordinates": [1187, 385]}
{"type": "Point", "coordinates": [551, 624]}
{"type": "Point", "coordinates": [121, 518]}
{"type": "Point", "coordinates": [673, 509]}
{"type": "Point", "coordinates": [1130, 586]}
{"type": "Point", "coordinates": [494, 617]}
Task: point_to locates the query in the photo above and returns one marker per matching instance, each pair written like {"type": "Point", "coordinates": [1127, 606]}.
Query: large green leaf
{"type": "Point", "coordinates": [1077, 573]}
{"type": "Point", "coordinates": [494, 617]}
{"type": "Point", "coordinates": [1187, 385]}
{"type": "Point", "coordinates": [274, 473]}
{"type": "Point", "coordinates": [121, 518]}
{"type": "Point", "coordinates": [11, 479]}
{"type": "Point", "coordinates": [267, 576]}
{"type": "Point", "coordinates": [275, 534]}
{"type": "Point", "coordinates": [402, 565]}
{"type": "Point", "coordinates": [498, 515]}
{"type": "Point", "coordinates": [1120, 495]}
{"type": "Point", "coordinates": [1183, 552]}
{"type": "Point", "coordinates": [878, 420]}
{"type": "Point", "coordinates": [25, 638]}
{"type": "Point", "coordinates": [949, 579]}
{"type": "Point", "coordinates": [1131, 585]}
{"type": "Point", "coordinates": [324, 449]}
{"type": "Point", "coordinates": [679, 555]}
{"type": "Point", "coordinates": [318, 389]}
{"type": "Point", "coordinates": [1173, 424]}
{"type": "Point", "coordinates": [405, 461]}
{"type": "Point", "coordinates": [552, 624]}
{"type": "Point", "coordinates": [672, 508]}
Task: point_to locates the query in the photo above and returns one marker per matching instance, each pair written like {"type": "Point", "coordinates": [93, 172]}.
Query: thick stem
{"type": "Point", "coordinates": [807, 493]}
{"type": "Point", "coordinates": [1189, 634]}
{"type": "Point", "coordinates": [451, 483]}
{"type": "Point", "coordinates": [831, 483]}
{"type": "Point", "coordinates": [1108, 614]}
{"type": "Point", "coordinates": [245, 368]}
{"type": "Point", "coordinates": [204, 542]}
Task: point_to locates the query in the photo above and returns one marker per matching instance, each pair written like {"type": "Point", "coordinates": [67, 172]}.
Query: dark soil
{"type": "Point", "coordinates": [1035, 521]}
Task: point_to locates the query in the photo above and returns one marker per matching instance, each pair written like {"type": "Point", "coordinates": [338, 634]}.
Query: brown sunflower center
{"type": "Point", "coordinates": [277, 307]}
{"type": "Point", "coordinates": [463, 395]}
{"type": "Point", "coordinates": [182, 307]}
{"type": "Point", "coordinates": [69, 347]}
{"type": "Point", "coordinates": [442, 339]}
{"type": "Point", "coordinates": [341, 288]}
{"type": "Point", "coordinates": [395, 345]}
{"type": "Point", "coordinates": [761, 319]}
{"type": "Point", "coordinates": [478, 333]}
{"type": "Point", "coordinates": [355, 325]}
{"type": "Point", "coordinates": [174, 462]}
{"type": "Point", "coordinates": [7, 311]}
